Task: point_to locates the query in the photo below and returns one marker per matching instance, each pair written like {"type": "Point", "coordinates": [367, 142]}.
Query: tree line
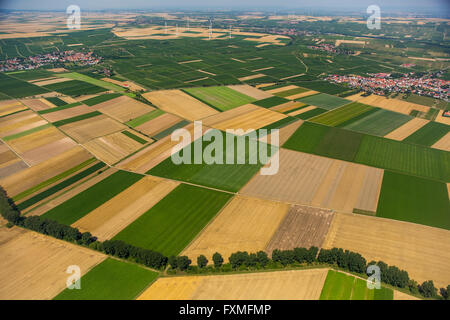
{"type": "Point", "coordinates": [117, 248]}
{"type": "Point", "coordinates": [240, 260]}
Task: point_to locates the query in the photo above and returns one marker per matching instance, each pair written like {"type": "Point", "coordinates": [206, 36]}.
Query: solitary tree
{"type": "Point", "coordinates": [217, 259]}
{"type": "Point", "coordinates": [202, 261]}
{"type": "Point", "coordinates": [427, 289]}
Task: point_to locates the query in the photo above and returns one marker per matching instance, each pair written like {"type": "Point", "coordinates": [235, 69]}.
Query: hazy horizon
{"type": "Point", "coordinates": [440, 7]}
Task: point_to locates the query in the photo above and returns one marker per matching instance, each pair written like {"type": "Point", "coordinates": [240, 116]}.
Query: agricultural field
{"type": "Point", "coordinates": [298, 131]}
{"type": "Point", "coordinates": [421, 250]}
{"type": "Point", "coordinates": [320, 182]}
{"type": "Point", "coordinates": [324, 101]}
{"type": "Point", "coordinates": [171, 224]}
{"type": "Point", "coordinates": [341, 286]}
{"type": "Point", "coordinates": [244, 224]}
{"type": "Point", "coordinates": [34, 266]}
{"type": "Point", "coordinates": [220, 98]}
{"type": "Point", "coordinates": [78, 206]}
{"type": "Point", "coordinates": [371, 150]}
{"type": "Point", "coordinates": [128, 281]}
{"type": "Point", "coordinates": [406, 198]}
{"type": "Point", "coordinates": [278, 285]}
{"type": "Point", "coordinates": [217, 174]}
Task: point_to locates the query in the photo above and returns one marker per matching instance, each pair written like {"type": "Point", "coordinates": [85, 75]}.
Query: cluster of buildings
{"type": "Point", "coordinates": [330, 48]}
{"type": "Point", "coordinates": [382, 84]}
{"type": "Point", "coordinates": [58, 57]}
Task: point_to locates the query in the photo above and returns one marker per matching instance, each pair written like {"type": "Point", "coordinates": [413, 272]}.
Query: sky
{"type": "Point", "coordinates": [415, 6]}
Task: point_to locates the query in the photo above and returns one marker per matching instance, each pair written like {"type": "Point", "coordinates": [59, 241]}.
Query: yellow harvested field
{"type": "Point", "coordinates": [152, 155]}
{"type": "Point", "coordinates": [67, 113]}
{"type": "Point", "coordinates": [36, 139]}
{"type": "Point", "coordinates": [51, 81]}
{"type": "Point", "coordinates": [32, 176]}
{"type": "Point", "coordinates": [301, 95]}
{"type": "Point", "coordinates": [287, 106]}
{"type": "Point", "coordinates": [338, 42]}
{"type": "Point", "coordinates": [126, 84]}
{"type": "Point", "coordinates": [398, 295]}
{"type": "Point", "coordinates": [245, 117]}
{"type": "Point", "coordinates": [59, 198]}
{"type": "Point", "coordinates": [245, 224]}
{"type": "Point", "coordinates": [87, 129]}
{"type": "Point", "coordinates": [158, 124]}
{"type": "Point", "coordinates": [34, 266]}
{"type": "Point", "coordinates": [114, 215]}
{"type": "Point", "coordinates": [318, 181]}
{"type": "Point", "coordinates": [37, 104]}
{"type": "Point", "coordinates": [407, 129]}
{"type": "Point", "coordinates": [263, 85]}
{"type": "Point", "coordinates": [300, 111]}
{"type": "Point", "coordinates": [180, 104]}
{"type": "Point", "coordinates": [254, 76]}
{"type": "Point", "coordinates": [281, 89]}
{"type": "Point", "coordinates": [277, 285]}
{"type": "Point", "coordinates": [393, 104]}
{"type": "Point", "coordinates": [113, 147]}
{"type": "Point", "coordinates": [421, 250]}
{"type": "Point", "coordinates": [443, 143]}
{"type": "Point", "coordinates": [250, 91]}
{"type": "Point", "coordinates": [10, 106]}
{"type": "Point", "coordinates": [123, 108]}
{"type": "Point", "coordinates": [19, 122]}
{"type": "Point", "coordinates": [440, 118]}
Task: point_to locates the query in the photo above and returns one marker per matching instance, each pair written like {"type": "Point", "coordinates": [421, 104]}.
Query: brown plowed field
{"type": "Point", "coordinates": [317, 181]}
{"type": "Point", "coordinates": [302, 227]}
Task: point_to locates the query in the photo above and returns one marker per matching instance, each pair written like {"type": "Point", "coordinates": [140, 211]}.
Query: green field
{"type": "Point", "coordinates": [78, 206]}
{"type": "Point", "coordinates": [221, 98]}
{"type": "Point", "coordinates": [111, 280]}
{"type": "Point", "coordinates": [311, 113]}
{"type": "Point", "coordinates": [340, 286]}
{"type": "Point", "coordinates": [74, 88]}
{"type": "Point", "coordinates": [56, 101]}
{"type": "Point", "coordinates": [170, 225]}
{"type": "Point", "coordinates": [144, 118]}
{"type": "Point", "coordinates": [11, 87]}
{"type": "Point", "coordinates": [66, 106]}
{"type": "Point", "coordinates": [77, 118]}
{"type": "Point", "coordinates": [371, 150]}
{"type": "Point", "coordinates": [101, 98]}
{"type": "Point", "coordinates": [270, 102]}
{"type": "Point", "coordinates": [324, 101]}
{"type": "Point", "coordinates": [429, 134]}
{"type": "Point", "coordinates": [58, 187]}
{"type": "Point", "coordinates": [325, 141]}
{"type": "Point", "coordinates": [93, 81]}
{"type": "Point", "coordinates": [342, 114]}
{"type": "Point", "coordinates": [414, 199]}
{"type": "Point", "coordinates": [134, 137]}
{"type": "Point", "coordinates": [404, 157]}
{"type": "Point", "coordinates": [378, 123]}
{"type": "Point", "coordinates": [290, 92]}
{"type": "Point", "coordinates": [229, 177]}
